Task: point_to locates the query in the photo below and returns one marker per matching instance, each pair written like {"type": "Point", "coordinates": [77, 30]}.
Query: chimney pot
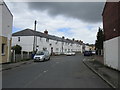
{"type": "Point", "coordinates": [46, 32]}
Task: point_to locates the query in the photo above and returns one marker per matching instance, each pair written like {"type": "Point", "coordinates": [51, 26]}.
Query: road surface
{"type": "Point", "coordinates": [59, 72]}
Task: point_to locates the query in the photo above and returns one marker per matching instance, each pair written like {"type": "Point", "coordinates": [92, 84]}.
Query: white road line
{"type": "Point", "coordinates": [45, 71]}
{"type": "Point", "coordinates": [34, 79]}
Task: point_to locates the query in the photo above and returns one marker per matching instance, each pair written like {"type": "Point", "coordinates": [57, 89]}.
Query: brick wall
{"type": "Point", "coordinates": [111, 20]}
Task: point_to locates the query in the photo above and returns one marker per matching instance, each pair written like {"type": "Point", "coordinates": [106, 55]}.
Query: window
{"type": "Point", "coordinates": [68, 49]}
{"type": "Point", "coordinates": [47, 40]}
{"type": "Point", "coordinates": [18, 39]}
{"type": "Point", "coordinates": [3, 49]}
{"type": "Point", "coordinates": [57, 49]}
{"type": "Point", "coordinates": [65, 50]}
{"type": "Point", "coordinates": [56, 42]}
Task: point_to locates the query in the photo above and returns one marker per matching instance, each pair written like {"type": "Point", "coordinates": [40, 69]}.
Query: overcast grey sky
{"type": "Point", "coordinates": [86, 11]}
{"type": "Point", "coordinates": [79, 20]}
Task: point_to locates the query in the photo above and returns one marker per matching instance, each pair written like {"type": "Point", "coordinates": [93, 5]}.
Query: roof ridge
{"type": "Point", "coordinates": [30, 32]}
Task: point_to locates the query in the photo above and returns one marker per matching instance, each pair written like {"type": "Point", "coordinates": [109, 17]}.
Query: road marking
{"type": "Point", "coordinates": [34, 79]}
{"type": "Point", "coordinates": [45, 71]}
{"type": "Point", "coordinates": [84, 59]}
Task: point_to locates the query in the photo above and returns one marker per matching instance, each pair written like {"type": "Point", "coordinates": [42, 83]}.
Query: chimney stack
{"type": "Point", "coordinates": [63, 37]}
{"type": "Point", "coordinates": [46, 32]}
{"type": "Point", "coordinates": [73, 39]}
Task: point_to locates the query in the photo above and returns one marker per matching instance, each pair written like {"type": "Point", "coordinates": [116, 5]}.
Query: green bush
{"type": "Point", "coordinates": [17, 49]}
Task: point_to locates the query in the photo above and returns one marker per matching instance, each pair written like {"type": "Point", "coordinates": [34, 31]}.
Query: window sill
{"type": "Point", "coordinates": [3, 54]}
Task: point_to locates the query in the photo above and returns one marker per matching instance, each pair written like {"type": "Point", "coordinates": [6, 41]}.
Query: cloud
{"type": "Point", "coordinates": [57, 24]}
{"type": "Point", "coordinates": [86, 11]}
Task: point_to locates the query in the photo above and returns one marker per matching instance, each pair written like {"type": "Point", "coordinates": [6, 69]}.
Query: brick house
{"type": "Point", "coordinates": [111, 26]}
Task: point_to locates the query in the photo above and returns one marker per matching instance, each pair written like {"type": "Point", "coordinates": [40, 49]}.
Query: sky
{"type": "Point", "coordinates": [79, 20]}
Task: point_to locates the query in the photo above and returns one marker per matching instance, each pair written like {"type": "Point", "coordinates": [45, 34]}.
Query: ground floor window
{"type": "Point", "coordinates": [57, 49]}
{"type": "Point", "coordinates": [65, 50]}
{"type": "Point", "coordinates": [3, 49]}
{"type": "Point", "coordinates": [68, 49]}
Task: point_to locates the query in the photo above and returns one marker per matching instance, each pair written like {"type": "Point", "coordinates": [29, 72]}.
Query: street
{"type": "Point", "coordinates": [59, 72]}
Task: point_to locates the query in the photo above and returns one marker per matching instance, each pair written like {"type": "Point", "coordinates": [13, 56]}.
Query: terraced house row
{"type": "Point", "coordinates": [53, 44]}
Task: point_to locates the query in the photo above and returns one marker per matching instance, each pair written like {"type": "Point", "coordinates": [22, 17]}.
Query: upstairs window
{"type": "Point", "coordinates": [56, 42]}
{"type": "Point", "coordinates": [47, 40]}
{"type": "Point", "coordinates": [18, 39]}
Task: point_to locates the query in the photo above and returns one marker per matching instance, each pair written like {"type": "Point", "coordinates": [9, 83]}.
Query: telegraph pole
{"type": "Point", "coordinates": [35, 41]}
{"type": "Point", "coordinates": [62, 45]}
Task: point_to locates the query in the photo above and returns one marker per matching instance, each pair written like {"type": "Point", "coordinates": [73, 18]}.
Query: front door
{"type": "Point", "coordinates": [51, 50]}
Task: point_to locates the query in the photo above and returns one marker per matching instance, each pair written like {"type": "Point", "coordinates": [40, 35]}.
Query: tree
{"type": "Point", "coordinates": [99, 41]}
{"type": "Point", "coordinates": [17, 49]}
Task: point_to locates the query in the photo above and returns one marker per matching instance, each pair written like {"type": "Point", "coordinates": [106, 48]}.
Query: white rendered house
{"type": "Point", "coordinates": [25, 39]}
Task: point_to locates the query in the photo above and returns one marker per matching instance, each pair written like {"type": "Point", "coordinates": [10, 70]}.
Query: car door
{"type": "Point", "coordinates": [47, 55]}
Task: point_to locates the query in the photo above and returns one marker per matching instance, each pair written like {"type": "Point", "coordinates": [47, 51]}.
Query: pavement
{"type": "Point", "coordinates": [58, 72]}
{"type": "Point", "coordinates": [14, 65]}
{"type": "Point", "coordinates": [109, 75]}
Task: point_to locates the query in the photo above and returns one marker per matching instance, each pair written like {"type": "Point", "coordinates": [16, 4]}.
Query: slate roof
{"type": "Point", "coordinates": [30, 32]}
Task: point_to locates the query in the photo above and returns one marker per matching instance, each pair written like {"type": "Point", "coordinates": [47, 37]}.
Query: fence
{"type": "Point", "coordinates": [21, 57]}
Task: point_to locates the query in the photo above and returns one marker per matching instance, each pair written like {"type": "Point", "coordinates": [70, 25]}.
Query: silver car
{"type": "Point", "coordinates": [69, 53]}
{"type": "Point", "coordinates": [42, 56]}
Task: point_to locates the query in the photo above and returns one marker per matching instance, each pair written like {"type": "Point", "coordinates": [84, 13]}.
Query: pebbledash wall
{"type": "Point", "coordinates": [111, 26]}
{"type": "Point", "coordinates": [6, 19]}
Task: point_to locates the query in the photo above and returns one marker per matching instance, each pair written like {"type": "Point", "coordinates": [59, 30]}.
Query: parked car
{"type": "Point", "coordinates": [93, 52]}
{"type": "Point", "coordinates": [88, 53]}
{"type": "Point", "coordinates": [57, 53]}
{"type": "Point", "coordinates": [69, 53]}
{"type": "Point", "coordinates": [73, 53]}
{"type": "Point", "coordinates": [42, 56]}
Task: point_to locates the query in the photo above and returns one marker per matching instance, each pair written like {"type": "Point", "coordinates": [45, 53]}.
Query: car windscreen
{"type": "Point", "coordinates": [40, 53]}
{"type": "Point", "coordinates": [86, 51]}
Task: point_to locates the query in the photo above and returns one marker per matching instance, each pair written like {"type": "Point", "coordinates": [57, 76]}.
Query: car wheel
{"type": "Point", "coordinates": [43, 60]}
{"type": "Point", "coordinates": [49, 58]}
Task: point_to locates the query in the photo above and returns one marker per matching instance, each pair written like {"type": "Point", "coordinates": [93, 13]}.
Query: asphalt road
{"type": "Point", "coordinates": [59, 72]}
